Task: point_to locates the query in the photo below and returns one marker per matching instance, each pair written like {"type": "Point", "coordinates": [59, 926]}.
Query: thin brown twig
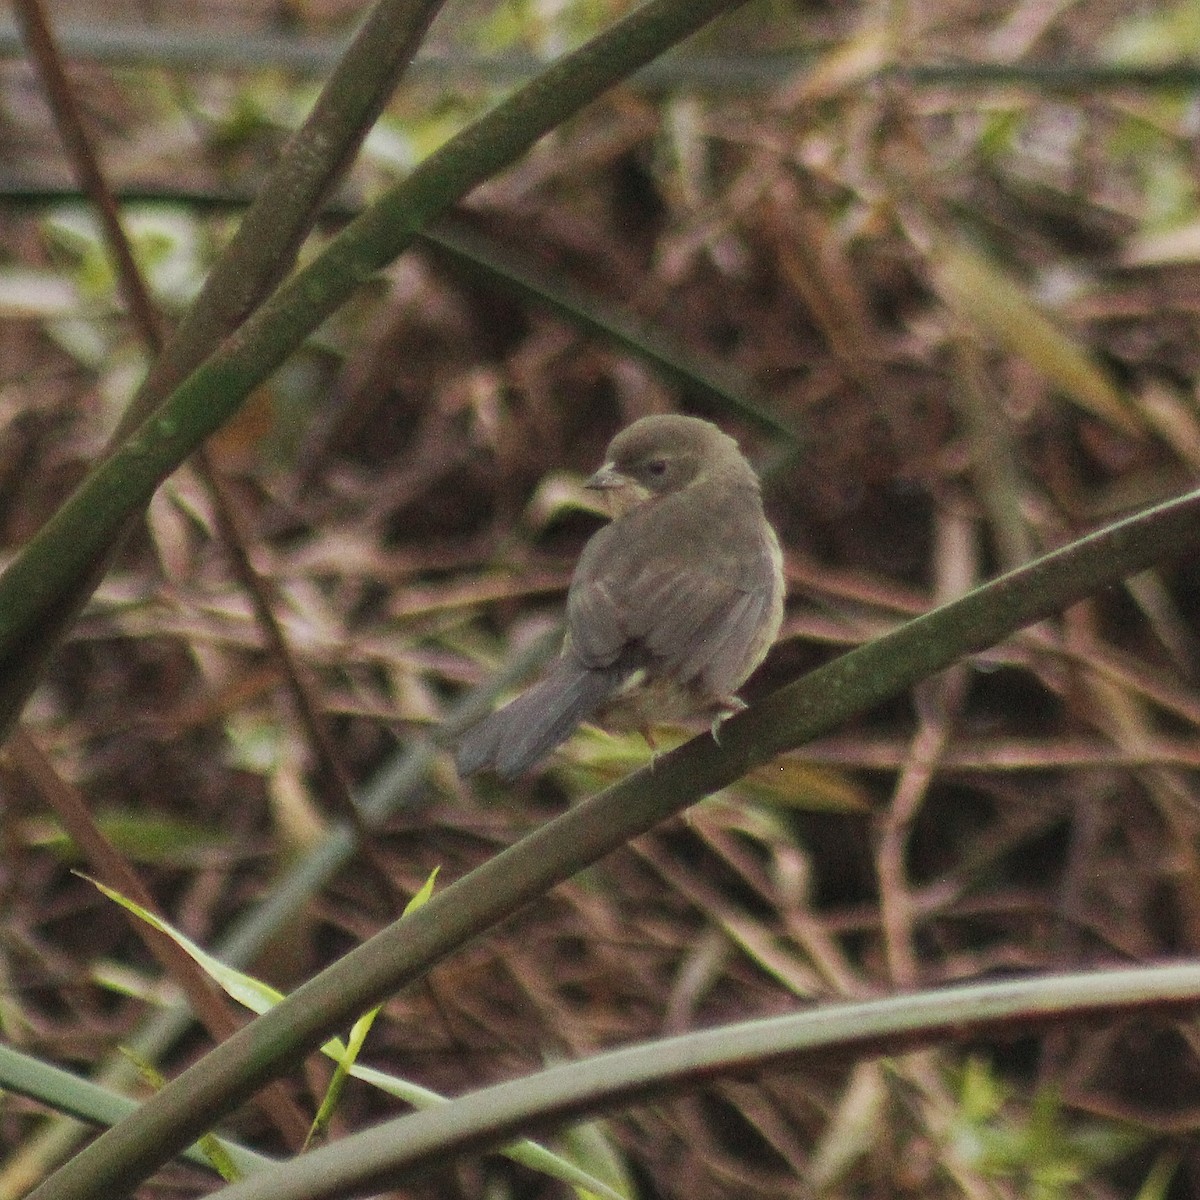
{"type": "Point", "coordinates": [938, 700]}
{"type": "Point", "coordinates": [761, 945]}
{"type": "Point", "coordinates": [808, 932]}
{"type": "Point", "coordinates": [114, 869]}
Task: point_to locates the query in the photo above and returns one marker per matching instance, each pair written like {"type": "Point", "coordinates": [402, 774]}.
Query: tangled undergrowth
{"type": "Point", "coordinates": [959, 319]}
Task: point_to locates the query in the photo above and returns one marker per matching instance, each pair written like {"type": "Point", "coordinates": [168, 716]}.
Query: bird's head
{"type": "Point", "coordinates": [662, 454]}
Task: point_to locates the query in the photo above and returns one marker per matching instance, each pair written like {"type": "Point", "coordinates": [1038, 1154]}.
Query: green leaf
{"type": "Point", "coordinates": [259, 997]}
{"type": "Point", "coordinates": [994, 303]}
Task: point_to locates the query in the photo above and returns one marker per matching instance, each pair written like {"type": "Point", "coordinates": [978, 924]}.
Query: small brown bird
{"type": "Point", "coordinates": [671, 606]}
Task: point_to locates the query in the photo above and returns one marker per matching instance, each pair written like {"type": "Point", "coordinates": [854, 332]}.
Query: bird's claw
{"type": "Point", "coordinates": [731, 706]}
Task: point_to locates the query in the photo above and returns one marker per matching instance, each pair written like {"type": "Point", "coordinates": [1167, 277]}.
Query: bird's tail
{"type": "Point", "coordinates": [517, 736]}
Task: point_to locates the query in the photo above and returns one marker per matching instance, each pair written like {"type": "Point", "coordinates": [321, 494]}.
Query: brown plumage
{"type": "Point", "coordinates": [671, 606]}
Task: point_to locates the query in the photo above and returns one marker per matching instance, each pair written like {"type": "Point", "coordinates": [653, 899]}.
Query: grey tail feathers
{"type": "Point", "coordinates": [519, 735]}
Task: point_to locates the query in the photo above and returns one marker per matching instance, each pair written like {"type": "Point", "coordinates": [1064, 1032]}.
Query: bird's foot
{"type": "Point", "coordinates": [728, 708]}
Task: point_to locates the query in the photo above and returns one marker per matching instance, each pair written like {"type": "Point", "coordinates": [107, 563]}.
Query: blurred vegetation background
{"type": "Point", "coordinates": [937, 265]}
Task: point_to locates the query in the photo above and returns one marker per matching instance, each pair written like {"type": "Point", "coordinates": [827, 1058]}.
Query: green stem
{"type": "Point", "coordinates": [392, 1154]}
{"type": "Point", "coordinates": [264, 248]}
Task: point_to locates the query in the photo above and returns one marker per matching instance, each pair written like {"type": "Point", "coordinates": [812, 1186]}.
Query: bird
{"type": "Point", "coordinates": [671, 606]}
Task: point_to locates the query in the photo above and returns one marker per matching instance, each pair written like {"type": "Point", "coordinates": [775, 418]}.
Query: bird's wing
{"type": "Point", "coordinates": [692, 605]}
{"type": "Point", "coordinates": [738, 643]}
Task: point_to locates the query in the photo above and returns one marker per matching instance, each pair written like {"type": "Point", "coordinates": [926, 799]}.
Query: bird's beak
{"type": "Point", "coordinates": [621, 493]}
{"type": "Point", "coordinates": [607, 478]}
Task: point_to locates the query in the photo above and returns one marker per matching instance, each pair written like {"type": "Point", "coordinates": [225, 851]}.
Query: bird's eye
{"type": "Point", "coordinates": [656, 467]}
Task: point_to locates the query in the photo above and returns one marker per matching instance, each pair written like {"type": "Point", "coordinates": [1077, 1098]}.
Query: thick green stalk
{"type": "Point", "coordinates": [390, 1155]}
{"type": "Point", "coordinates": [264, 248]}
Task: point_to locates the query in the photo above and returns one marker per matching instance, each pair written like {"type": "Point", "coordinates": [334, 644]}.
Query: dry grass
{"type": "Point", "coordinates": [1034, 809]}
